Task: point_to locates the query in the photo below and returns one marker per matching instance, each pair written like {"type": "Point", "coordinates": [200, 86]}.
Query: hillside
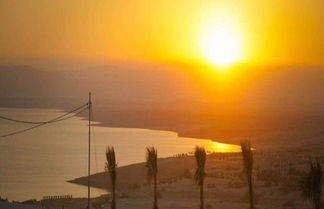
{"type": "Point", "coordinates": [279, 101]}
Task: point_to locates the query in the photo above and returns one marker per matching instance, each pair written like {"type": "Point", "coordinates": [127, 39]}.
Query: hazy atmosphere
{"type": "Point", "coordinates": [208, 104]}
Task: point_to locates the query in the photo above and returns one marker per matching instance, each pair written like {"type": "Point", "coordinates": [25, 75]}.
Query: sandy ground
{"type": "Point", "coordinates": [276, 174]}
{"type": "Point", "coordinates": [6, 205]}
{"type": "Point", "coordinates": [276, 177]}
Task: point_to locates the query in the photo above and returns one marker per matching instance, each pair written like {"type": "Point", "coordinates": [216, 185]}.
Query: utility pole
{"type": "Point", "coordinates": [89, 106]}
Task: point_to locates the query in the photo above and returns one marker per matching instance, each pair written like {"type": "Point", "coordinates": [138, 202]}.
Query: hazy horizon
{"type": "Point", "coordinates": [264, 32]}
{"type": "Point", "coordinates": [219, 102]}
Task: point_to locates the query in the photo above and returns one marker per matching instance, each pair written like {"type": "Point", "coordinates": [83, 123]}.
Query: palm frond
{"type": "Point", "coordinates": [305, 185]}
{"type": "Point", "coordinates": [200, 155]}
{"type": "Point", "coordinates": [151, 162]}
{"type": "Point", "coordinates": [247, 156]}
{"type": "Point", "coordinates": [111, 164]}
{"type": "Point", "coordinates": [152, 170]}
{"type": "Point", "coordinates": [248, 166]}
{"type": "Point", "coordinates": [311, 181]}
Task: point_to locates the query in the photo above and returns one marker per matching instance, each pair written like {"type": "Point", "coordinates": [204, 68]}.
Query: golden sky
{"type": "Point", "coordinates": [267, 31]}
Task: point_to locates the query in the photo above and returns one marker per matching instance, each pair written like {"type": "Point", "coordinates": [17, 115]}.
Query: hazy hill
{"type": "Point", "coordinates": [253, 101]}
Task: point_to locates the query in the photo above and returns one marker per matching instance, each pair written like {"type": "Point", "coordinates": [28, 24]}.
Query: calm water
{"type": "Point", "coordinates": [39, 162]}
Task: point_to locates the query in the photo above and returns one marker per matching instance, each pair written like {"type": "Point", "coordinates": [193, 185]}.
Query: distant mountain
{"type": "Point", "coordinates": [174, 97]}
{"type": "Point", "coordinates": [113, 83]}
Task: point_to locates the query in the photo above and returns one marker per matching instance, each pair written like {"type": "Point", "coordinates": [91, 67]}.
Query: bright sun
{"type": "Point", "coordinates": [221, 46]}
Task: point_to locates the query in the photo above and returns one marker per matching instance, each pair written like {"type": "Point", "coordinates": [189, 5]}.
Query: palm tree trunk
{"type": "Point", "coordinates": [202, 195]}
{"type": "Point", "coordinates": [250, 182]}
{"type": "Point", "coordinates": [155, 205]}
{"type": "Point", "coordinates": [113, 201]}
{"type": "Point", "coordinates": [317, 202]}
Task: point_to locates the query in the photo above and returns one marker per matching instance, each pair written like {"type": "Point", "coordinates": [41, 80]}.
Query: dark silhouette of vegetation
{"type": "Point", "coordinates": [310, 183]}
{"type": "Point", "coordinates": [200, 174]}
{"type": "Point", "coordinates": [152, 170]}
{"type": "Point", "coordinates": [248, 166]}
{"type": "Point", "coordinates": [111, 166]}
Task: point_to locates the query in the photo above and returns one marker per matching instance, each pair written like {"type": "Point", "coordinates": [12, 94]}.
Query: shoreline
{"type": "Point", "coordinates": [225, 185]}
{"type": "Point", "coordinates": [138, 183]}
{"type": "Point", "coordinates": [104, 124]}
{"type": "Point", "coordinates": [262, 131]}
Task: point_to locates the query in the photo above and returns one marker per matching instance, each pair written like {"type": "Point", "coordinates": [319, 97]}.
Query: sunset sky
{"type": "Point", "coordinates": [220, 32]}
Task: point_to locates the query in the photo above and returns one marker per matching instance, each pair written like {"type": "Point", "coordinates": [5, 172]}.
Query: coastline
{"type": "Point", "coordinates": [267, 130]}
{"type": "Point", "coordinates": [224, 187]}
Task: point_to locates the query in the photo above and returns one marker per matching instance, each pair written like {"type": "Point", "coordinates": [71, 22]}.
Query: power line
{"type": "Point", "coordinates": [41, 122]}
{"type": "Point", "coordinates": [94, 147]}
{"type": "Point", "coordinates": [33, 127]}
{"type": "Point", "coordinates": [94, 141]}
{"type": "Point", "coordinates": [75, 113]}
{"type": "Point", "coordinates": [57, 119]}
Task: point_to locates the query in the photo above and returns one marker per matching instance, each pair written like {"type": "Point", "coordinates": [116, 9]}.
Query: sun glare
{"type": "Point", "coordinates": [220, 147]}
{"type": "Point", "coordinates": [221, 46]}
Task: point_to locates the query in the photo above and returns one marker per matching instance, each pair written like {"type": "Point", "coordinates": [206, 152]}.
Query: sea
{"type": "Point", "coordinates": [39, 162]}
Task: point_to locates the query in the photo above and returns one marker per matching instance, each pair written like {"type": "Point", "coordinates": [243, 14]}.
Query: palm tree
{"type": "Point", "coordinates": [111, 166]}
{"type": "Point", "coordinates": [311, 182]}
{"type": "Point", "coordinates": [200, 174]}
{"type": "Point", "coordinates": [152, 170]}
{"type": "Point", "coordinates": [248, 165]}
